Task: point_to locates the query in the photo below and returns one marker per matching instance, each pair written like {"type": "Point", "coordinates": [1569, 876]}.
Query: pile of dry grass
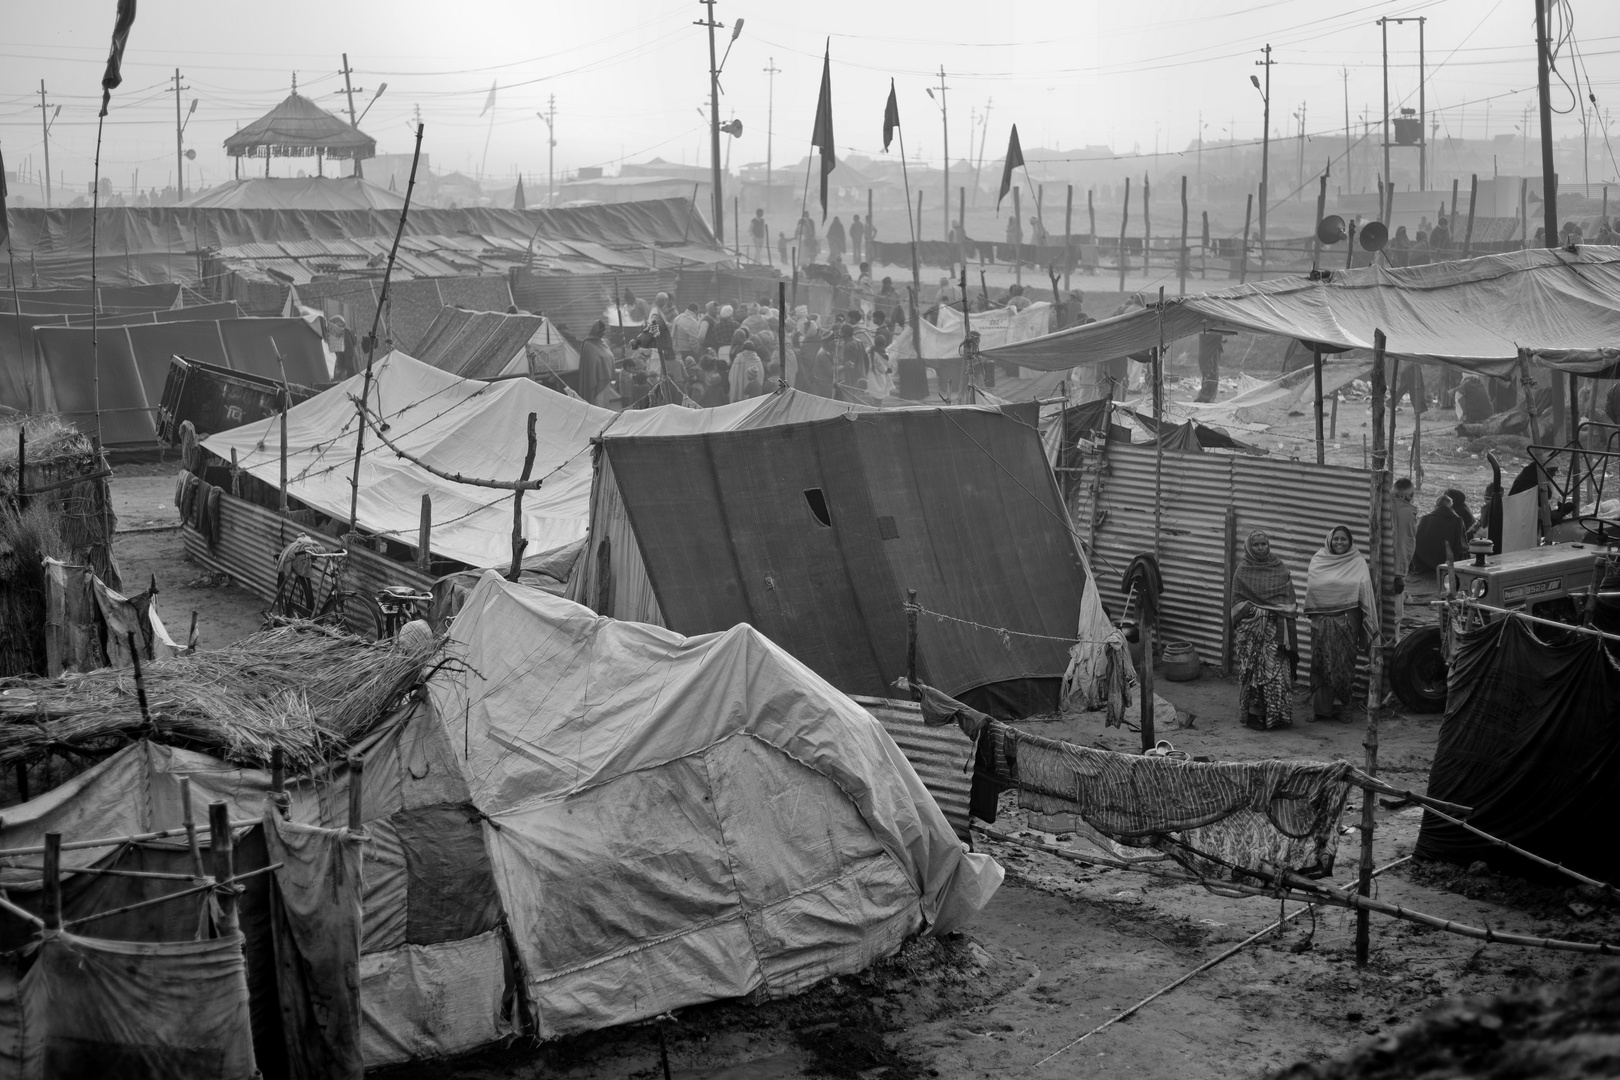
{"type": "Point", "coordinates": [57, 452]}
{"type": "Point", "coordinates": [27, 538]}
{"type": "Point", "coordinates": [307, 690]}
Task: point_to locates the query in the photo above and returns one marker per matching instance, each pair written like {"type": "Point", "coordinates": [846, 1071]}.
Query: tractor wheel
{"type": "Point", "coordinates": [1417, 671]}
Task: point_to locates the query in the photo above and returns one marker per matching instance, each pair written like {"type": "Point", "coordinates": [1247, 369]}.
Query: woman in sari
{"type": "Point", "coordinates": [1339, 601]}
{"type": "Point", "coordinates": [1263, 607]}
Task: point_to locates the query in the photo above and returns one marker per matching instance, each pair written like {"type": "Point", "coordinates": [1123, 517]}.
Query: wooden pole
{"type": "Point", "coordinates": [1068, 238]}
{"type": "Point", "coordinates": [1203, 249]}
{"type": "Point", "coordinates": [1147, 227]}
{"type": "Point", "coordinates": [1473, 197]}
{"type": "Point", "coordinates": [961, 231]}
{"type": "Point", "coordinates": [1524, 210]}
{"type": "Point", "coordinates": [424, 535]}
{"type": "Point", "coordinates": [1091, 214]}
{"type": "Point", "coordinates": [53, 881]}
{"type": "Point", "coordinates": [371, 339]}
{"type": "Point", "coordinates": [1451, 223]}
{"type": "Point", "coordinates": [1316, 372]}
{"type": "Point", "coordinates": [1229, 554]}
{"type": "Point", "coordinates": [1316, 261]}
{"type": "Point", "coordinates": [1379, 483]}
{"type": "Point", "coordinates": [357, 791]}
{"type": "Point", "coordinates": [1394, 402]}
{"type": "Point", "coordinates": [225, 887]}
{"type": "Point", "coordinates": [1364, 884]}
{"type": "Point", "coordinates": [1243, 252]}
{"type": "Point", "coordinates": [1182, 259]}
{"type": "Point", "coordinates": [278, 782]}
{"type": "Point", "coordinates": [286, 403]}
{"type": "Point", "coordinates": [911, 644]}
{"type": "Point", "coordinates": [519, 541]}
{"type": "Point", "coordinates": [189, 820]}
{"type": "Point", "coordinates": [1333, 419]}
{"type": "Point", "coordinates": [1379, 460]}
{"type": "Point", "coordinates": [919, 215]}
{"type": "Point", "coordinates": [1018, 248]}
{"type": "Point", "coordinates": [868, 251]}
{"type": "Point", "coordinates": [1124, 220]}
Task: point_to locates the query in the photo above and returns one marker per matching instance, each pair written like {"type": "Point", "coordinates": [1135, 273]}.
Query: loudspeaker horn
{"type": "Point", "coordinates": [1330, 230]}
{"type": "Point", "coordinates": [1374, 235]}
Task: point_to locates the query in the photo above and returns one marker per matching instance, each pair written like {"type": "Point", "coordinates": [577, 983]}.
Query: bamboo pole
{"type": "Point", "coordinates": [1229, 569]}
{"type": "Point", "coordinates": [1091, 214]}
{"type": "Point", "coordinates": [1147, 226]}
{"type": "Point", "coordinates": [1068, 238]}
{"type": "Point", "coordinates": [53, 881]}
{"type": "Point", "coordinates": [1316, 374]}
{"type": "Point", "coordinates": [519, 541]}
{"type": "Point", "coordinates": [1243, 251]}
{"type": "Point", "coordinates": [357, 768]}
{"type": "Point", "coordinates": [115, 841]}
{"type": "Point", "coordinates": [220, 844]}
{"type": "Point", "coordinates": [424, 535]}
{"type": "Point", "coordinates": [188, 817]}
{"type": "Point", "coordinates": [1473, 197]}
{"type": "Point", "coordinates": [1018, 246]}
{"type": "Point", "coordinates": [471, 481]}
{"type": "Point", "coordinates": [1182, 259]}
{"type": "Point", "coordinates": [1124, 220]}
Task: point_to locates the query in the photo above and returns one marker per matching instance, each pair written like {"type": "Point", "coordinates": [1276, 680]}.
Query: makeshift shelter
{"type": "Point", "coordinates": [479, 344]}
{"type": "Point", "coordinates": [119, 372]}
{"type": "Point", "coordinates": [674, 819]}
{"type": "Point", "coordinates": [300, 128]}
{"type": "Point", "coordinates": [814, 531]}
{"type": "Point", "coordinates": [1475, 313]}
{"type": "Point", "coordinates": [1530, 741]}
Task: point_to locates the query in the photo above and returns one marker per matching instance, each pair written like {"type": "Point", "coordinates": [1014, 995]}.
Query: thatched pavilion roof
{"type": "Point", "coordinates": [299, 128]}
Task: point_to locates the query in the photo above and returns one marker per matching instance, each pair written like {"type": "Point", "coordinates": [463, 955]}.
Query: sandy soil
{"type": "Point", "coordinates": [1061, 947]}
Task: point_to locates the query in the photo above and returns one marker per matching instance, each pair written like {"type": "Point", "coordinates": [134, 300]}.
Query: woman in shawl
{"type": "Point", "coordinates": [1339, 601]}
{"type": "Point", "coordinates": [1263, 609]}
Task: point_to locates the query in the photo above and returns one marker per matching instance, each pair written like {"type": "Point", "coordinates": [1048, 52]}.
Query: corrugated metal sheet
{"type": "Point", "coordinates": [251, 537]}
{"type": "Point", "coordinates": [1296, 502]}
{"type": "Point", "coordinates": [939, 755]}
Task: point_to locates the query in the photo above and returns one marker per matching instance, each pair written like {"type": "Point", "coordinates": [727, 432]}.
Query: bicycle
{"type": "Point", "coordinates": [305, 574]}
{"type": "Point", "coordinates": [398, 605]}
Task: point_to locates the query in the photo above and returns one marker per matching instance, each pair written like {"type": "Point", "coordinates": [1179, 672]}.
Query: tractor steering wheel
{"type": "Point", "coordinates": [1607, 530]}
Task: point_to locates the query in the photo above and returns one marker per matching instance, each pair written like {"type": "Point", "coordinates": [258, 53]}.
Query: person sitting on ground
{"type": "Point", "coordinates": [1459, 506]}
{"type": "Point", "coordinates": [1440, 537]}
{"type": "Point", "coordinates": [1016, 298]}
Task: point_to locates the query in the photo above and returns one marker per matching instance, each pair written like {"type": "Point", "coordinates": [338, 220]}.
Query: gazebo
{"type": "Point", "coordinates": [300, 128]}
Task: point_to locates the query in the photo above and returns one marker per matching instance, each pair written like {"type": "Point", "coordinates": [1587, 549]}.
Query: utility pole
{"type": "Point", "coordinates": [348, 89]}
{"type": "Point", "coordinates": [45, 129]}
{"type": "Point", "coordinates": [714, 124]}
{"type": "Point", "coordinates": [1349, 177]}
{"type": "Point", "coordinates": [179, 152]}
{"type": "Point", "coordinates": [1265, 151]}
{"type": "Point", "coordinates": [550, 117]}
{"type": "Point", "coordinates": [1549, 179]}
{"type": "Point", "coordinates": [1299, 168]}
{"type": "Point", "coordinates": [771, 71]}
{"type": "Point", "coordinates": [1423, 114]}
{"type": "Point", "coordinates": [979, 165]}
{"type": "Point", "coordinates": [1389, 181]}
{"type": "Point", "coordinates": [945, 126]}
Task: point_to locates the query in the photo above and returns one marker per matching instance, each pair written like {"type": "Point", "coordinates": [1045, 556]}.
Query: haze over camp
{"type": "Point", "coordinates": [722, 540]}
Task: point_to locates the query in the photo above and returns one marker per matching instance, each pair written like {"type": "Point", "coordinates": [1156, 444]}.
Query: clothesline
{"type": "Point", "coordinates": [1003, 631]}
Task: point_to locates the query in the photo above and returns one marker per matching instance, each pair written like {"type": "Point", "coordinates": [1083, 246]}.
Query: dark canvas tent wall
{"type": "Point", "coordinates": [133, 363]}
{"type": "Point", "coordinates": [813, 533]}
{"type": "Point", "coordinates": [1531, 741]}
{"type": "Point", "coordinates": [475, 344]}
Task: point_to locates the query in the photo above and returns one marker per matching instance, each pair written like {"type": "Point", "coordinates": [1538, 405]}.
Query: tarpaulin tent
{"type": "Point", "coordinates": [1475, 313]}
{"type": "Point", "coordinates": [477, 344]}
{"type": "Point", "coordinates": [673, 820]}
{"type": "Point", "coordinates": [814, 531]}
{"type": "Point", "coordinates": [120, 370]}
{"type": "Point", "coordinates": [299, 193]}
{"type": "Point", "coordinates": [1531, 741]}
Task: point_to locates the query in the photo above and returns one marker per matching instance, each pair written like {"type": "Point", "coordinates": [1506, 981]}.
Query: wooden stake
{"type": "Point", "coordinates": [1473, 197]}
{"type": "Point", "coordinates": [1364, 885]}
{"type": "Point", "coordinates": [1018, 248]}
{"type": "Point", "coordinates": [220, 843]}
{"type": "Point", "coordinates": [1068, 238]}
{"type": "Point", "coordinates": [1316, 371]}
{"type": "Point", "coordinates": [278, 781]}
{"type": "Point", "coordinates": [187, 817]}
{"type": "Point", "coordinates": [424, 535]}
{"type": "Point", "coordinates": [1124, 220]}
{"type": "Point", "coordinates": [1451, 224]}
{"type": "Point", "coordinates": [1182, 259]}
{"type": "Point", "coordinates": [357, 769]}
{"type": "Point", "coordinates": [1147, 227]}
{"type": "Point", "coordinates": [1091, 214]}
{"type": "Point", "coordinates": [1333, 420]}
{"type": "Point", "coordinates": [140, 682]}
{"type": "Point", "coordinates": [53, 881]}
{"type": "Point", "coordinates": [1378, 375]}
{"type": "Point", "coordinates": [281, 503]}
{"type": "Point", "coordinates": [1243, 252]}
{"type": "Point", "coordinates": [519, 542]}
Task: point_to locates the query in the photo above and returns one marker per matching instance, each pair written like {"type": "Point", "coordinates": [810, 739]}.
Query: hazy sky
{"type": "Point", "coordinates": [629, 77]}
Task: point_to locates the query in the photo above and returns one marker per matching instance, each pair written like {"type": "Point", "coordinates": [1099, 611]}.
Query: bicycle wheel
{"type": "Point", "coordinates": [354, 613]}
{"type": "Point", "coordinates": [295, 598]}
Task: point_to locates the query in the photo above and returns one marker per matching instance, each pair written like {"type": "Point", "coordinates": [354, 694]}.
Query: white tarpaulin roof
{"type": "Point", "coordinates": [674, 820]}
{"type": "Point", "coordinates": [475, 429]}
{"type": "Point", "coordinates": [1475, 313]}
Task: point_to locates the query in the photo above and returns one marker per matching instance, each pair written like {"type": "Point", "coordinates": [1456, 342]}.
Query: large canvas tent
{"type": "Point", "coordinates": [679, 819]}
{"type": "Point", "coordinates": [120, 371]}
{"type": "Point", "coordinates": [1475, 313]}
{"type": "Point", "coordinates": [298, 193]}
{"type": "Point", "coordinates": [814, 531]}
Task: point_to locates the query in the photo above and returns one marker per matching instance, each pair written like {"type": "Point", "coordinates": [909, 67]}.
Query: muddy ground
{"type": "Point", "coordinates": [1061, 948]}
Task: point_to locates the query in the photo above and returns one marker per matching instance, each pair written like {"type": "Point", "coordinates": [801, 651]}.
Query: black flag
{"type": "Point", "coordinates": [822, 136]}
{"type": "Point", "coordinates": [891, 118]}
{"type": "Point", "coordinates": [1015, 158]}
{"type": "Point", "coordinates": [115, 59]}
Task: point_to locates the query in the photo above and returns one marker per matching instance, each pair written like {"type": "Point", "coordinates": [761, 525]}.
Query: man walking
{"type": "Point", "coordinates": [857, 234]}
{"type": "Point", "coordinates": [758, 237]}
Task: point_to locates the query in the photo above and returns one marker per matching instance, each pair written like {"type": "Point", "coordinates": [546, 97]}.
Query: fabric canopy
{"type": "Point", "coordinates": [1475, 313]}
{"type": "Point", "coordinates": [681, 819]}
{"type": "Point", "coordinates": [475, 429]}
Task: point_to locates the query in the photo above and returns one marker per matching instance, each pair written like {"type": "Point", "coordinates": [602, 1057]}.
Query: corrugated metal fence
{"type": "Point", "coordinates": [1296, 502]}
{"type": "Point", "coordinates": [939, 755]}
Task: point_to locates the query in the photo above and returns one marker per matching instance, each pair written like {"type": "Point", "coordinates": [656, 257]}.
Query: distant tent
{"type": "Point", "coordinates": [300, 128]}
{"type": "Point", "coordinates": [297, 193]}
{"type": "Point", "coordinates": [518, 201]}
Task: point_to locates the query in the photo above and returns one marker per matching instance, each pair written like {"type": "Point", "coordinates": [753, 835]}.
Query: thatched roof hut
{"type": "Point", "coordinates": [300, 128]}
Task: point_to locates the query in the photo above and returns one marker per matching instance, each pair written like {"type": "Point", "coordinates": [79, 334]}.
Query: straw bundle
{"type": "Point", "coordinates": [27, 539]}
{"type": "Point", "coordinates": [57, 452]}
{"type": "Point", "coordinates": [306, 690]}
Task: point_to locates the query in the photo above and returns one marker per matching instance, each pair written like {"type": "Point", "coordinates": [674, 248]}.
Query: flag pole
{"type": "Point", "coordinates": [916, 276]}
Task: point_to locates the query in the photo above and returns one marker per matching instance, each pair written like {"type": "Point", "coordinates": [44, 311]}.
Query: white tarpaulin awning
{"type": "Point", "coordinates": [1561, 306]}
